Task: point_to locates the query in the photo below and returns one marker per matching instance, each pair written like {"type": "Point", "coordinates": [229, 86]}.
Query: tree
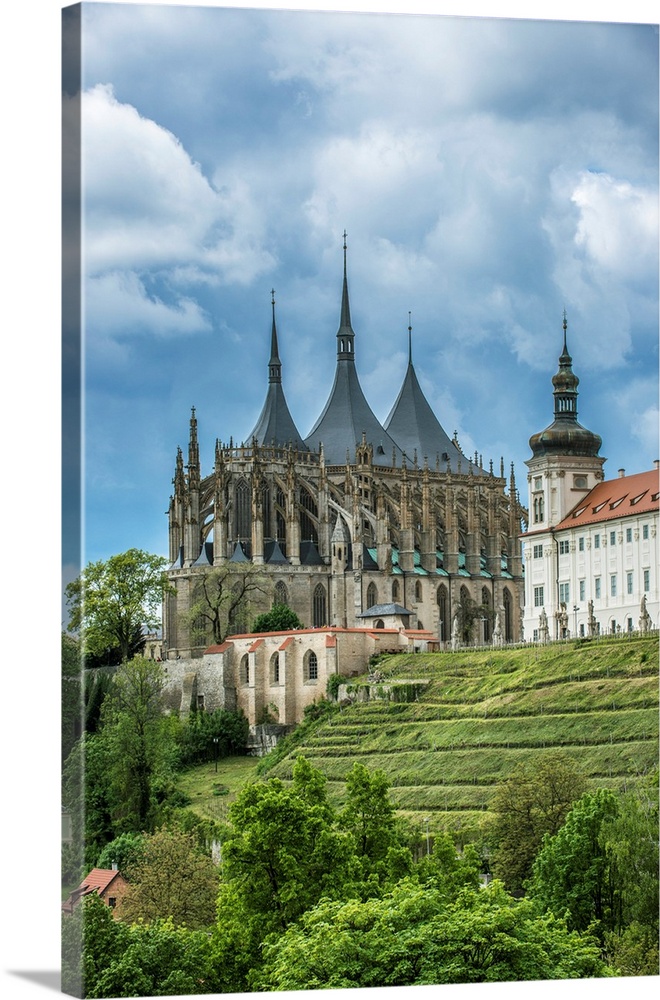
{"type": "Point", "coordinates": [572, 873]}
{"type": "Point", "coordinates": [116, 960]}
{"type": "Point", "coordinates": [111, 600]}
{"type": "Point", "coordinates": [280, 618]}
{"type": "Point", "coordinates": [533, 801]}
{"type": "Point", "coordinates": [170, 878]}
{"type": "Point", "coordinates": [369, 815]}
{"type": "Point", "coordinates": [131, 729]}
{"type": "Point", "coordinates": [221, 603]}
{"type": "Point", "coordinates": [72, 711]}
{"type": "Point", "coordinates": [205, 734]}
{"type": "Point", "coordinates": [414, 935]}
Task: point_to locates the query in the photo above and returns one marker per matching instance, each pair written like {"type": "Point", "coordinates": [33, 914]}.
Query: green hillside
{"type": "Point", "coordinates": [447, 727]}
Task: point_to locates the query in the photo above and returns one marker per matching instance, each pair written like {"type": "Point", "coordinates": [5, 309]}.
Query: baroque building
{"type": "Point", "coordinates": [591, 550]}
{"type": "Point", "coordinates": [354, 515]}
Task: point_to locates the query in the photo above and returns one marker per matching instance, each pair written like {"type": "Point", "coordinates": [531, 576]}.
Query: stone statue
{"type": "Point", "coordinates": [644, 623]}
{"type": "Point", "coordinates": [544, 632]}
{"type": "Point", "coordinates": [455, 637]}
{"type": "Point", "coordinates": [497, 631]}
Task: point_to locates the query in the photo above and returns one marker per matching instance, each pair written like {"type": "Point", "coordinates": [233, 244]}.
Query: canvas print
{"type": "Point", "coordinates": [361, 490]}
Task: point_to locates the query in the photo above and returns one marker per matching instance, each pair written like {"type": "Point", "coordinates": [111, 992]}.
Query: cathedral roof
{"type": "Point", "coordinates": [275, 424]}
{"type": "Point", "coordinates": [415, 427]}
{"type": "Point", "coordinates": [347, 415]}
{"type": "Point", "coordinates": [565, 436]}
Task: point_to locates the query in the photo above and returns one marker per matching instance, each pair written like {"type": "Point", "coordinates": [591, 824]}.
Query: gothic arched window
{"type": "Point", "coordinates": [442, 598]}
{"type": "Point", "coordinates": [319, 607]}
{"type": "Point", "coordinates": [395, 590]}
{"type": "Point", "coordinates": [281, 593]}
{"type": "Point", "coordinates": [275, 668]}
{"type": "Point", "coordinates": [308, 516]}
{"type": "Point", "coordinates": [245, 669]}
{"type": "Point", "coordinates": [508, 617]}
{"type": "Point", "coordinates": [310, 666]}
{"type": "Point", "coordinates": [243, 516]}
{"type": "Point", "coordinates": [485, 601]}
{"type": "Point", "coordinates": [372, 595]}
{"type": "Point", "coordinates": [418, 591]}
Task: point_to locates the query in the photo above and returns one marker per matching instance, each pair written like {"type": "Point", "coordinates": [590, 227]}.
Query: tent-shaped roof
{"type": "Point", "coordinates": [415, 427]}
{"type": "Point", "coordinates": [347, 414]}
{"type": "Point", "coordinates": [275, 425]}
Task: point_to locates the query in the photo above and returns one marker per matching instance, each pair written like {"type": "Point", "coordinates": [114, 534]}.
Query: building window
{"type": "Point", "coordinates": [538, 597]}
{"type": "Point", "coordinates": [275, 668]}
{"type": "Point", "coordinates": [629, 534]}
{"type": "Point", "coordinates": [583, 589]}
{"type": "Point", "coordinates": [645, 532]}
{"type": "Point", "coordinates": [539, 509]}
{"type": "Point", "coordinates": [647, 580]}
{"type": "Point", "coordinates": [281, 593]}
{"type": "Point", "coordinates": [581, 543]}
{"type": "Point", "coordinates": [630, 624]}
{"type": "Point", "coordinates": [395, 590]}
{"type": "Point", "coordinates": [243, 511]}
{"type": "Point", "coordinates": [112, 902]}
{"type": "Point", "coordinates": [612, 537]}
{"type": "Point", "coordinates": [418, 591]}
{"type": "Point", "coordinates": [613, 585]}
{"type": "Point", "coordinates": [564, 548]}
{"type": "Point", "coordinates": [538, 482]}
{"type": "Point", "coordinates": [535, 635]}
{"type": "Point", "coordinates": [372, 595]}
{"type": "Point", "coordinates": [538, 551]}
{"type": "Point", "coordinates": [580, 482]}
{"type": "Point", "coordinates": [564, 590]}
{"type": "Point", "coordinates": [320, 615]}
{"type": "Point", "coordinates": [245, 669]}
{"type": "Point", "coordinates": [629, 583]}
{"type": "Point", "coordinates": [582, 628]}
{"type": "Point", "coordinates": [597, 587]}
{"type": "Point", "coordinates": [442, 598]}
{"type": "Point", "coordinates": [311, 667]}
{"type": "Point", "coordinates": [596, 541]}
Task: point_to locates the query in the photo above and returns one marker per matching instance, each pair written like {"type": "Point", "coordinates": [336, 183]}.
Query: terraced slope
{"type": "Point", "coordinates": [474, 716]}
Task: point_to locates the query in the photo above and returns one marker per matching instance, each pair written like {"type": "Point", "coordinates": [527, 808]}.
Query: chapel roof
{"type": "Point", "coordinates": [275, 425]}
{"type": "Point", "coordinates": [347, 416]}
{"type": "Point", "coordinates": [415, 427]}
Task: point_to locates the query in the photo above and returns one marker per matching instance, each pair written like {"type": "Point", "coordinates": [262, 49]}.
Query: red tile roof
{"type": "Point", "coordinates": [615, 498]}
{"type": "Point", "coordinates": [99, 879]}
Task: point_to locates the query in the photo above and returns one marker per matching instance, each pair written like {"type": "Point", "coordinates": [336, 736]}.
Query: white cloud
{"type": "Point", "coordinates": [618, 225]}
{"type": "Point", "coordinates": [148, 205]}
{"type": "Point", "coordinates": [120, 305]}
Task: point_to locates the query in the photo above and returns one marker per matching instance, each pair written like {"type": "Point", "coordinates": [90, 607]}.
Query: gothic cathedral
{"type": "Point", "coordinates": [354, 516]}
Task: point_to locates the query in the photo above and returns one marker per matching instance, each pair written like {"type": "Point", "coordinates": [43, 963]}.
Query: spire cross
{"type": "Point", "coordinates": [409, 339]}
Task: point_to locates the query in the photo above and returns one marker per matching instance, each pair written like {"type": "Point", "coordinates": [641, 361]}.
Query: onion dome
{"type": "Point", "coordinates": [565, 436]}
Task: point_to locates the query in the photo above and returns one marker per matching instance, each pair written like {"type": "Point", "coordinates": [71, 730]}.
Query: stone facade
{"type": "Point", "coordinates": [276, 675]}
{"type": "Point", "coordinates": [355, 514]}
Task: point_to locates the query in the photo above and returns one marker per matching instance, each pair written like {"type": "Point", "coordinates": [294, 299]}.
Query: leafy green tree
{"type": "Point", "coordinates": [86, 795]}
{"type": "Point", "coordinates": [125, 851]}
{"type": "Point", "coordinates": [369, 814]}
{"type": "Point", "coordinates": [72, 709]}
{"type": "Point", "coordinates": [533, 801]}
{"type": "Point", "coordinates": [156, 959]}
{"type": "Point", "coordinates": [221, 603]}
{"type": "Point", "coordinates": [170, 877]}
{"type": "Point", "coordinates": [572, 873]}
{"type": "Point", "coordinates": [201, 729]}
{"type": "Point", "coordinates": [132, 729]}
{"type": "Point", "coordinates": [414, 935]}
{"type": "Point", "coordinates": [113, 598]}
{"type": "Point", "coordinates": [280, 618]}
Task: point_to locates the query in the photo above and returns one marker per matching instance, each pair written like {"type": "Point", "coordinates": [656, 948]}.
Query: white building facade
{"type": "Point", "coordinates": [591, 548]}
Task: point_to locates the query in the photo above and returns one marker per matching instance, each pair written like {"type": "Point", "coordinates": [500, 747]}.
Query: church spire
{"type": "Point", "coordinates": [345, 334]}
{"type": "Point", "coordinates": [409, 340]}
{"type": "Point", "coordinates": [274, 365]}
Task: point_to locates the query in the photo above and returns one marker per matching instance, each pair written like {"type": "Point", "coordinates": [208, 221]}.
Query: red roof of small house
{"type": "Point", "coordinates": [615, 498]}
{"type": "Point", "coordinates": [99, 879]}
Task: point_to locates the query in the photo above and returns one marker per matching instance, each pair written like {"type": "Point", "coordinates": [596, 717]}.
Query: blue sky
{"type": "Point", "coordinates": [490, 172]}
